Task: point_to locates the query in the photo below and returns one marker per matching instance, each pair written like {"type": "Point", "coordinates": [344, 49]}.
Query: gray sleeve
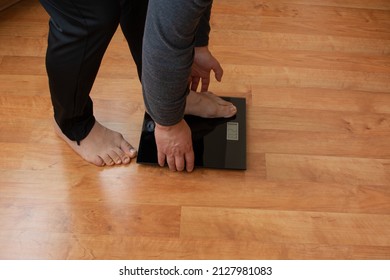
{"type": "Point", "coordinates": [202, 34]}
{"type": "Point", "coordinates": [167, 57]}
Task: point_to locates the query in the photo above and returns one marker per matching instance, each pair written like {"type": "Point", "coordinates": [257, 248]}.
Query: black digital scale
{"type": "Point", "coordinates": [217, 142]}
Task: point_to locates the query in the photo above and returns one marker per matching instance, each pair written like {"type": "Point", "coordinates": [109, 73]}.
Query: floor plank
{"type": "Point", "coordinates": [41, 245]}
{"type": "Point", "coordinates": [353, 171]}
{"type": "Point", "coordinates": [316, 77]}
{"type": "Point", "coordinates": [285, 226]}
{"type": "Point", "coordinates": [321, 99]}
{"type": "Point", "coordinates": [320, 143]}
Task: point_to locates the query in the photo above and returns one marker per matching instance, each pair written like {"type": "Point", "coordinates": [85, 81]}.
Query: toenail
{"type": "Point", "coordinates": [133, 152]}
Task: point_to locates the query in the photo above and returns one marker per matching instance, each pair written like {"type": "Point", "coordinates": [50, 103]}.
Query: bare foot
{"type": "Point", "coordinates": [102, 146]}
{"type": "Point", "coordinates": [208, 105]}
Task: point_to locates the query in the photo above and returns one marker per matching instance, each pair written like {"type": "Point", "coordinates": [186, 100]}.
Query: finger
{"type": "Point", "coordinates": [195, 83]}
{"type": "Point", "coordinates": [205, 84]}
{"type": "Point", "coordinates": [161, 159]}
{"type": "Point", "coordinates": [179, 161]}
{"type": "Point", "coordinates": [171, 163]}
{"type": "Point", "coordinates": [190, 161]}
{"type": "Point", "coordinates": [218, 71]}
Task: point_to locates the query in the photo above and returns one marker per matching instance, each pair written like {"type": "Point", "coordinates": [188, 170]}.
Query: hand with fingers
{"type": "Point", "coordinates": [174, 145]}
{"type": "Point", "coordinates": [203, 63]}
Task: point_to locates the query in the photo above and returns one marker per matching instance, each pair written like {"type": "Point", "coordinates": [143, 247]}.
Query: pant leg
{"type": "Point", "coordinates": [79, 33]}
{"type": "Point", "coordinates": [132, 21]}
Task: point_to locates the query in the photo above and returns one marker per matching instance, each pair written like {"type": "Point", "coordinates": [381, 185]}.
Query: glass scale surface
{"type": "Point", "coordinates": [217, 142]}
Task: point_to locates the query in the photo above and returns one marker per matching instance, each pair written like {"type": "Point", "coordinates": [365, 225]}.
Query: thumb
{"type": "Point", "coordinates": [218, 72]}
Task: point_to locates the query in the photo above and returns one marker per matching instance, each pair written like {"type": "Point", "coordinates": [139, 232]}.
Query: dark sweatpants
{"type": "Point", "coordinates": [80, 31]}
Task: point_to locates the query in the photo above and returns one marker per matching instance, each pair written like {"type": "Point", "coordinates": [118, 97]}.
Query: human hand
{"type": "Point", "coordinates": [174, 144]}
{"type": "Point", "coordinates": [204, 62]}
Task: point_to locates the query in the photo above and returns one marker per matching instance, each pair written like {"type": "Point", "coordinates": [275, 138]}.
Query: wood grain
{"type": "Point", "coordinates": [354, 171]}
{"type": "Point", "coordinates": [285, 226]}
{"type": "Point", "coordinates": [7, 3]}
{"type": "Point", "coordinates": [316, 76]}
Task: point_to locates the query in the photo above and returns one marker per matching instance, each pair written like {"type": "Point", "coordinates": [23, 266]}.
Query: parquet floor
{"type": "Point", "coordinates": [316, 75]}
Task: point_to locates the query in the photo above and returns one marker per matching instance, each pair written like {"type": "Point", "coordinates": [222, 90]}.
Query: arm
{"type": "Point", "coordinates": [167, 59]}
{"type": "Point", "coordinates": [168, 56]}
{"type": "Point", "coordinates": [203, 31]}
{"type": "Point", "coordinates": [204, 61]}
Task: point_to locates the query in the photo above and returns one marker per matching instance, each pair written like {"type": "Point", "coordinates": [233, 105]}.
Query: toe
{"type": "Point", "coordinates": [128, 149]}
{"type": "Point", "coordinates": [124, 158]}
{"type": "Point", "coordinates": [98, 161]}
{"type": "Point", "coordinates": [113, 154]}
{"type": "Point", "coordinates": [107, 160]}
{"type": "Point", "coordinates": [232, 110]}
{"type": "Point", "coordinates": [227, 111]}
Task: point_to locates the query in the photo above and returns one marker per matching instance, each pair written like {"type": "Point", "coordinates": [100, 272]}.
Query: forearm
{"type": "Point", "coordinates": [203, 31]}
{"type": "Point", "coordinates": [168, 55]}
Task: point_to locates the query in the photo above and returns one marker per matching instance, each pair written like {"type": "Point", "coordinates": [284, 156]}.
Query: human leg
{"type": "Point", "coordinates": [79, 34]}
{"type": "Point", "coordinates": [203, 104]}
{"type": "Point", "coordinates": [132, 21]}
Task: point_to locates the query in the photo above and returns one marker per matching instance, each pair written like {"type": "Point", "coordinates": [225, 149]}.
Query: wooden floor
{"type": "Point", "coordinates": [316, 75]}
